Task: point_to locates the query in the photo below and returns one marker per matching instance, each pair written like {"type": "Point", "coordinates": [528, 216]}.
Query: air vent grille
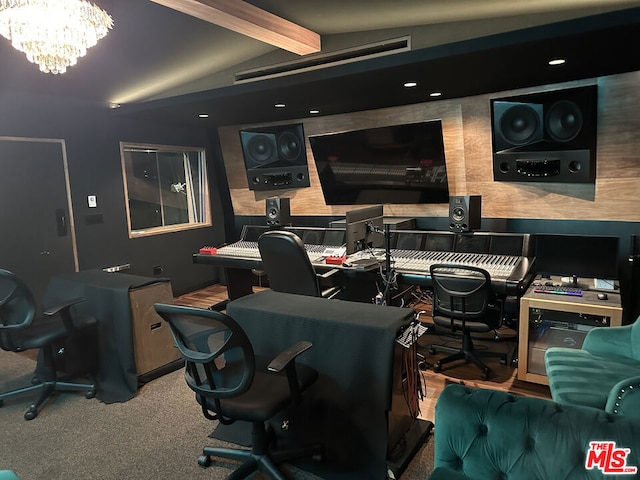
{"type": "Point", "coordinates": [339, 57]}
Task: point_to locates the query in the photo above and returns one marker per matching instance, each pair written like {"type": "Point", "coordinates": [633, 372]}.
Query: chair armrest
{"type": "Point", "coordinates": [58, 308]}
{"type": "Point", "coordinates": [283, 359]}
{"type": "Point", "coordinates": [286, 361]}
{"type": "Point", "coordinates": [609, 341]}
{"type": "Point", "coordinates": [64, 310]}
{"type": "Point", "coordinates": [624, 398]}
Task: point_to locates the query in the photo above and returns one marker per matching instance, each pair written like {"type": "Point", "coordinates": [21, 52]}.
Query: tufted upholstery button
{"type": "Point", "coordinates": [529, 443]}
{"type": "Point", "coordinates": [558, 408]}
{"type": "Point", "coordinates": [511, 398]}
{"type": "Point", "coordinates": [467, 390]}
{"type": "Point", "coordinates": [500, 476]}
{"type": "Point", "coordinates": [482, 429]}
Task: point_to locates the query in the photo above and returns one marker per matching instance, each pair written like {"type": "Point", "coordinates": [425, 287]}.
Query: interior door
{"type": "Point", "coordinates": [37, 238]}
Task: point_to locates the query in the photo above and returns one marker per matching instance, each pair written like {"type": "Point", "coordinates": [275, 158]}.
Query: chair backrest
{"type": "Point", "coordinates": [17, 308]}
{"type": "Point", "coordinates": [460, 292]}
{"type": "Point", "coordinates": [287, 264]}
{"type": "Point", "coordinates": [220, 362]}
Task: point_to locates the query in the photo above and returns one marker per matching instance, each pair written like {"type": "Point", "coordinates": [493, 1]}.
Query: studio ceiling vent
{"type": "Point", "coordinates": [338, 57]}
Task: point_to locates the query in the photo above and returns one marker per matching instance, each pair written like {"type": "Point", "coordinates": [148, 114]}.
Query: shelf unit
{"type": "Point", "coordinates": [559, 320]}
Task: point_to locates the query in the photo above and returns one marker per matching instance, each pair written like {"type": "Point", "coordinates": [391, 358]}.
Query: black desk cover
{"type": "Point", "coordinates": [353, 347]}
{"type": "Point", "coordinates": [106, 299]}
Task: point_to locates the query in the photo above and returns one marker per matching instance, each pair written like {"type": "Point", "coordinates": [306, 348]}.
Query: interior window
{"type": "Point", "coordinates": [165, 187]}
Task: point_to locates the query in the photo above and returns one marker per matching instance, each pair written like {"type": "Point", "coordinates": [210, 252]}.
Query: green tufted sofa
{"type": "Point", "coordinates": [483, 434]}
{"type": "Point", "coordinates": [604, 373]}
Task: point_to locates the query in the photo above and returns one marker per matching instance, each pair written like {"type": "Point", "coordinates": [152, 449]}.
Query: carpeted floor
{"type": "Point", "coordinates": [159, 434]}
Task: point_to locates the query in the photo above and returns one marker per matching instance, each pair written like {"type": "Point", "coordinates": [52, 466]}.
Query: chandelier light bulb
{"type": "Point", "coordinates": [53, 33]}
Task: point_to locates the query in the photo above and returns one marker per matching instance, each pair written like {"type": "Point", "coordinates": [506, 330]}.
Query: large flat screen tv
{"type": "Point", "coordinates": [384, 165]}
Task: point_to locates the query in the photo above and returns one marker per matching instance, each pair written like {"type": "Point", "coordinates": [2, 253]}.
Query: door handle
{"type": "Point", "coordinates": [61, 222]}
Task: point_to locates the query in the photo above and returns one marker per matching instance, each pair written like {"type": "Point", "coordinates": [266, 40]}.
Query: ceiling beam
{"type": "Point", "coordinates": [249, 20]}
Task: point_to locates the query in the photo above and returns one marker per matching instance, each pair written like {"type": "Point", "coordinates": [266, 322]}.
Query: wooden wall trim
{"type": "Point", "coordinates": [466, 122]}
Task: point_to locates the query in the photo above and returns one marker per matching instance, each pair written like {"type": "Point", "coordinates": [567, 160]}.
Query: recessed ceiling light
{"type": "Point", "coordinates": [435, 94]}
{"type": "Point", "coordinates": [279, 105]}
{"type": "Point", "coordinates": [411, 84]}
{"type": "Point", "coordinates": [557, 61]}
{"type": "Point", "coordinates": [314, 111]}
{"type": "Point", "coordinates": [203, 115]}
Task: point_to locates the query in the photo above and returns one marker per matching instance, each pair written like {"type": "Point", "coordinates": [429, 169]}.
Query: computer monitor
{"type": "Point", "coordinates": [582, 256]}
{"type": "Point", "coordinates": [364, 229]}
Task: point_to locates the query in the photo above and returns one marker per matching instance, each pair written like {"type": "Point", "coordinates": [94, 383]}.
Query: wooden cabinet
{"type": "Point", "coordinates": [549, 320]}
{"type": "Point", "coordinates": [153, 345]}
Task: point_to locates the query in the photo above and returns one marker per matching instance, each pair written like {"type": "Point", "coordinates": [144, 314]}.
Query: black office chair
{"type": "Point", "coordinates": [21, 329]}
{"type": "Point", "coordinates": [289, 268]}
{"type": "Point", "coordinates": [232, 384]}
{"type": "Point", "coordinates": [463, 301]}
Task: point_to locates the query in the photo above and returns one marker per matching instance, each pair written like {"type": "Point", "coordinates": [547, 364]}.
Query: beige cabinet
{"type": "Point", "coordinates": [550, 320]}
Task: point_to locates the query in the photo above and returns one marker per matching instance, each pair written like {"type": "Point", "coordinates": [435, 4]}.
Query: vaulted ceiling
{"type": "Point", "coordinates": [158, 63]}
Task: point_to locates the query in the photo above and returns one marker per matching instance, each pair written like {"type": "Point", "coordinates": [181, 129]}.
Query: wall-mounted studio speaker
{"type": "Point", "coordinates": [545, 137]}
{"type": "Point", "coordinates": [275, 157]}
{"type": "Point", "coordinates": [465, 213]}
{"type": "Point", "coordinates": [278, 212]}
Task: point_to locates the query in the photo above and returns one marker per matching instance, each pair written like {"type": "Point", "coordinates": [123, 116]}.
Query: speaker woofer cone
{"type": "Point", "coordinates": [458, 214]}
{"type": "Point", "coordinates": [519, 125]}
{"type": "Point", "coordinates": [289, 146]}
{"type": "Point", "coordinates": [564, 121]}
{"type": "Point", "coordinates": [260, 148]}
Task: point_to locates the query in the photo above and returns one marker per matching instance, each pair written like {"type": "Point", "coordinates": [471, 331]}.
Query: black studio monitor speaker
{"type": "Point", "coordinates": [545, 137]}
{"type": "Point", "coordinates": [278, 212]}
{"type": "Point", "coordinates": [275, 157]}
{"type": "Point", "coordinates": [465, 213]}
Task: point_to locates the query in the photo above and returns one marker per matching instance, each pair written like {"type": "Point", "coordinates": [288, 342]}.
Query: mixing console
{"type": "Point", "coordinates": [248, 249]}
{"type": "Point", "coordinates": [498, 266]}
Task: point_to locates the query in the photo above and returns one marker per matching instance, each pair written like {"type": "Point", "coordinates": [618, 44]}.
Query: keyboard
{"type": "Point", "coordinates": [558, 290]}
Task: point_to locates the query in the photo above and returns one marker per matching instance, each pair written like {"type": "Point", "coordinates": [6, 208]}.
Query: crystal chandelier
{"type": "Point", "coordinates": [53, 33]}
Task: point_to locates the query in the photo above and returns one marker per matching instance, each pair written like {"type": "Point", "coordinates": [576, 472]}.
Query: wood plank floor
{"type": "Point", "coordinates": [503, 378]}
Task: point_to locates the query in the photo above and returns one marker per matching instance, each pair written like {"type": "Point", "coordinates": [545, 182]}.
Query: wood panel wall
{"type": "Point", "coordinates": [466, 123]}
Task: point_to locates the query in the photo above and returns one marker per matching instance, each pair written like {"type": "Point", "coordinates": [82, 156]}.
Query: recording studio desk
{"type": "Point", "coordinates": [356, 409]}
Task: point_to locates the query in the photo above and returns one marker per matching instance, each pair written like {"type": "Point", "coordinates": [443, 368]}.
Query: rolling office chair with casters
{"type": "Point", "coordinates": [289, 268]}
{"type": "Point", "coordinates": [52, 333]}
{"type": "Point", "coordinates": [233, 384]}
{"type": "Point", "coordinates": [462, 301]}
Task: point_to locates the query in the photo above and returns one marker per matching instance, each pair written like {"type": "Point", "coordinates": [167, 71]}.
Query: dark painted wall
{"type": "Point", "coordinates": [93, 134]}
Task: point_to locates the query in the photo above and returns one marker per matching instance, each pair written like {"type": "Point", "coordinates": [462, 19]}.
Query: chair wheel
{"type": "Point", "coordinates": [31, 414]}
{"type": "Point", "coordinates": [485, 374]}
{"type": "Point", "coordinates": [204, 461]}
{"type": "Point", "coordinates": [437, 367]}
{"type": "Point", "coordinates": [422, 365]}
{"type": "Point", "coordinates": [90, 394]}
{"type": "Point", "coordinates": [503, 361]}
